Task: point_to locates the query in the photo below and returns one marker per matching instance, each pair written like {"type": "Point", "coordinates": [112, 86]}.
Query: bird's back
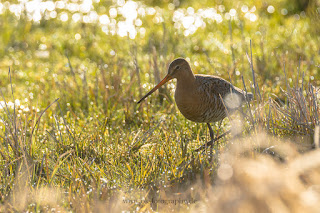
{"type": "Point", "coordinates": [211, 97]}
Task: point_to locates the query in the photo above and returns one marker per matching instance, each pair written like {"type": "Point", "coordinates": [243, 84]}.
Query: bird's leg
{"type": "Point", "coordinates": [212, 141]}
{"type": "Point", "coordinates": [210, 131]}
{"type": "Point", "coordinates": [220, 123]}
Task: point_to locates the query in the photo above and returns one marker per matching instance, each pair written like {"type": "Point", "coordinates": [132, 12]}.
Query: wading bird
{"type": "Point", "coordinates": [202, 98]}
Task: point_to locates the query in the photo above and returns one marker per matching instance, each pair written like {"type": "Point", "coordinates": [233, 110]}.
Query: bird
{"type": "Point", "coordinates": [202, 98]}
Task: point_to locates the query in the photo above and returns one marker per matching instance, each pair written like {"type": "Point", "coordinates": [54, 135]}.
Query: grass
{"type": "Point", "coordinates": [73, 138]}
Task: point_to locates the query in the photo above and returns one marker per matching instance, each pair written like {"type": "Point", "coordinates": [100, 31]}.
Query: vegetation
{"type": "Point", "coordinates": [74, 139]}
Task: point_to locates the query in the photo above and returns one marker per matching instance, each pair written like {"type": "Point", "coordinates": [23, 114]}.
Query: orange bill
{"type": "Point", "coordinates": [165, 80]}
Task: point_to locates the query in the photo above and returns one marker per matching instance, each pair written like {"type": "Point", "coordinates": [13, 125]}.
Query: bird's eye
{"type": "Point", "coordinates": [177, 67]}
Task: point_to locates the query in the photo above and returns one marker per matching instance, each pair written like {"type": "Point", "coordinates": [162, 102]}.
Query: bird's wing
{"type": "Point", "coordinates": [217, 89]}
{"type": "Point", "coordinates": [217, 86]}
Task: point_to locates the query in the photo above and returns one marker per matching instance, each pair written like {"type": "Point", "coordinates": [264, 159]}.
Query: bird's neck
{"type": "Point", "coordinates": [187, 79]}
{"type": "Point", "coordinates": [186, 89]}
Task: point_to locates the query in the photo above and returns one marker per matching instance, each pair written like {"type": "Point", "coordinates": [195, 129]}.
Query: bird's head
{"type": "Point", "coordinates": [176, 68]}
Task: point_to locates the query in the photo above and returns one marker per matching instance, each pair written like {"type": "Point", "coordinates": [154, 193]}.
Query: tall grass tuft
{"type": "Point", "coordinates": [22, 167]}
{"type": "Point", "coordinates": [299, 113]}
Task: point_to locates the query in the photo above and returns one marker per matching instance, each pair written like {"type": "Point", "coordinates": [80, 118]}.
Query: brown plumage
{"type": "Point", "coordinates": [202, 98]}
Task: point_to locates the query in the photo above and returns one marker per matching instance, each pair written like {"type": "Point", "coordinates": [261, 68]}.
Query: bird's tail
{"type": "Point", "coordinates": [249, 96]}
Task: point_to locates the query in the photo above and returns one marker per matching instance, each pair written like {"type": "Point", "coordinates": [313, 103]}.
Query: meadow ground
{"type": "Point", "coordinates": [74, 139]}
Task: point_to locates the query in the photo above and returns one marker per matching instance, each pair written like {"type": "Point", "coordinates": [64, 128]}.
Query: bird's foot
{"type": "Point", "coordinates": [211, 142]}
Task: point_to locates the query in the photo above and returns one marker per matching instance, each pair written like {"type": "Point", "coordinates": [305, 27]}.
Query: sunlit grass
{"type": "Point", "coordinates": [95, 149]}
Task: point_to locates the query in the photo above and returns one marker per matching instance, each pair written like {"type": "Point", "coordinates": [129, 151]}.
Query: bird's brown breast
{"type": "Point", "coordinates": [198, 103]}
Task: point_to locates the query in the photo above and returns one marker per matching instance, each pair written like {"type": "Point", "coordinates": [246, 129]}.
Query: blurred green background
{"type": "Point", "coordinates": [121, 48]}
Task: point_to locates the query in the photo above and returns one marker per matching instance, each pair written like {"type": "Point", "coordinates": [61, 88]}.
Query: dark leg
{"type": "Point", "coordinates": [210, 143]}
{"type": "Point", "coordinates": [210, 131]}
{"type": "Point", "coordinates": [211, 147]}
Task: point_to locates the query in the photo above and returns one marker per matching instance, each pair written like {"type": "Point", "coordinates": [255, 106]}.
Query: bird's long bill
{"type": "Point", "coordinates": [165, 80]}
